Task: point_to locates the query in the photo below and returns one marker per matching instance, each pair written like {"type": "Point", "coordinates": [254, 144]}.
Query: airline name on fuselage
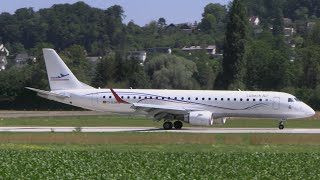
{"type": "Point", "coordinates": [258, 95]}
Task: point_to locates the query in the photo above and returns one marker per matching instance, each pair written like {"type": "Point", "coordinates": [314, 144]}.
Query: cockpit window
{"type": "Point", "coordinates": [290, 100]}
{"type": "Point", "coordinates": [298, 100]}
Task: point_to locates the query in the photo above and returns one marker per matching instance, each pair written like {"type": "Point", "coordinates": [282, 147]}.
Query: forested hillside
{"type": "Point", "coordinates": [260, 45]}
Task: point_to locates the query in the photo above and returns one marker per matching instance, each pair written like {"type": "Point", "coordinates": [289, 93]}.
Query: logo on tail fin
{"type": "Point", "coordinates": [61, 77]}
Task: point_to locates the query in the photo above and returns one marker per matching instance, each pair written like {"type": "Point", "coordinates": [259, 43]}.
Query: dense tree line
{"type": "Point", "coordinates": [251, 61]}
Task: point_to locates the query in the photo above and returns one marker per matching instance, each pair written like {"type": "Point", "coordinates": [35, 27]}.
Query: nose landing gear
{"type": "Point", "coordinates": [281, 123]}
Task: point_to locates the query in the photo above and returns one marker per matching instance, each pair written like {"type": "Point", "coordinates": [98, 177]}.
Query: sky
{"type": "Point", "coordinates": [140, 11]}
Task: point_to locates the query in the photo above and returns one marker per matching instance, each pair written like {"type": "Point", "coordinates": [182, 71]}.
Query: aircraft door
{"type": "Point", "coordinates": [276, 103]}
{"type": "Point", "coordinates": [94, 100]}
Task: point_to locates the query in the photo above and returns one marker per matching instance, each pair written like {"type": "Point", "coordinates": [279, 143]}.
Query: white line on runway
{"type": "Point", "coordinates": [153, 129]}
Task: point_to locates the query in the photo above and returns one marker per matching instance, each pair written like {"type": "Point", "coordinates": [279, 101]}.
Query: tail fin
{"type": "Point", "coordinates": [59, 75]}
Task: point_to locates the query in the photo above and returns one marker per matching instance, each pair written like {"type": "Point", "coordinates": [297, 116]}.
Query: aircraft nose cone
{"type": "Point", "coordinates": [309, 111]}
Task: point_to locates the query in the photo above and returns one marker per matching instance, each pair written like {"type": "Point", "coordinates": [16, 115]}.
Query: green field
{"type": "Point", "coordinates": [138, 121]}
{"type": "Point", "coordinates": [159, 161]}
{"type": "Point", "coordinates": [141, 155]}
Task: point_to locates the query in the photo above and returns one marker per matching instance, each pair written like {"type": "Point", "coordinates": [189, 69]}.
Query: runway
{"type": "Point", "coordinates": [152, 129]}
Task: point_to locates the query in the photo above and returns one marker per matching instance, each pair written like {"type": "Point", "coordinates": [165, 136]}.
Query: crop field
{"type": "Point", "coordinates": [158, 156]}
{"type": "Point", "coordinates": [142, 155]}
{"type": "Point", "coordinates": [157, 162]}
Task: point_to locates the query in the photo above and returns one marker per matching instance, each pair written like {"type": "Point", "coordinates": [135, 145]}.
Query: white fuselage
{"type": "Point", "coordinates": [257, 104]}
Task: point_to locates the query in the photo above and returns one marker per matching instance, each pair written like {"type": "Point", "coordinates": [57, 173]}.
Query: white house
{"type": "Point", "coordinates": [137, 55]}
{"type": "Point", "coordinates": [211, 49]}
{"type": "Point", "coordinates": [254, 20]}
{"type": "Point", "coordinates": [288, 32]}
{"type": "Point", "coordinates": [3, 60]}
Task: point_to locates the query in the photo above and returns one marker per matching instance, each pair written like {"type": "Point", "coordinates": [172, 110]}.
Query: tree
{"type": "Point", "coordinates": [235, 46]}
{"type": "Point", "coordinates": [75, 58]}
{"type": "Point", "coordinates": [162, 23]}
{"type": "Point", "coordinates": [310, 58]}
{"type": "Point", "coordinates": [104, 72]}
{"type": "Point", "coordinates": [208, 23]}
{"type": "Point", "coordinates": [314, 36]}
{"type": "Point", "coordinates": [278, 25]}
{"type": "Point", "coordinates": [171, 72]}
{"type": "Point", "coordinates": [217, 10]}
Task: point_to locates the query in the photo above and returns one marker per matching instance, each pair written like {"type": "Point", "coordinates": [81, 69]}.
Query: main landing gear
{"type": "Point", "coordinates": [281, 123]}
{"type": "Point", "coordinates": [168, 125]}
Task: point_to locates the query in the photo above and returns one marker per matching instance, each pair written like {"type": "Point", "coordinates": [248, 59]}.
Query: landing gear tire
{"type": "Point", "coordinates": [167, 125]}
{"type": "Point", "coordinates": [281, 125]}
{"type": "Point", "coordinates": [177, 125]}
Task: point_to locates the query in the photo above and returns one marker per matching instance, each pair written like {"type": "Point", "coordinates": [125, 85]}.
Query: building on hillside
{"type": "Point", "coordinates": [137, 55]}
{"type": "Point", "coordinates": [287, 22]}
{"type": "Point", "coordinates": [94, 59]}
{"type": "Point", "coordinates": [188, 28]}
{"type": "Point", "coordinates": [289, 32]}
{"type": "Point", "coordinates": [254, 20]}
{"type": "Point", "coordinates": [211, 49]}
{"type": "Point", "coordinates": [162, 50]}
{"type": "Point", "coordinates": [3, 57]}
{"type": "Point", "coordinates": [23, 59]}
{"type": "Point", "coordinates": [3, 63]}
{"type": "Point", "coordinates": [310, 25]}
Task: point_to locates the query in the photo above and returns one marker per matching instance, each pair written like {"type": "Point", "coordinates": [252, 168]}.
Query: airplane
{"type": "Point", "coordinates": [196, 107]}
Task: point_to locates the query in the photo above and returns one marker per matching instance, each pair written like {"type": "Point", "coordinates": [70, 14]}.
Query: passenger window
{"type": "Point", "coordinates": [139, 97]}
{"type": "Point", "coordinates": [162, 97]}
{"type": "Point", "coordinates": [247, 99]}
{"type": "Point", "coordinates": [228, 99]}
{"type": "Point", "coordinates": [221, 99]}
{"type": "Point", "coordinates": [121, 97]}
{"type": "Point", "coordinates": [150, 97]}
{"type": "Point", "coordinates": [189, 98]}
{"type": "Point", "coordinates": [254, 99]}
{"type": "Point", "coordinates": [216, 99]}
{"type": "Point", "coordinates": [104, 97]}
{"type": "Point", "coordinates": [175, 98]}
{"type": "Point", "coordinates": [203, 99]}
{"type": "Point", "coordinates": [235, 99]}
{"type": "Point", "coordinates": [110, 97]}
{"type": "Point", "coordinates": [182, 98]}
{"type": "Point", "coordinates": [209, 99]}
{"type": "Point", "coordinates": [196, 98]}
{"type": "Point", "coordinates": [260, 99]}
{"type": "Point", "coordinates": [134, 97]}
{"type": "Point", "coordinates": [128, 97]}
{"type": "Point", "coordinates": [241, 99]}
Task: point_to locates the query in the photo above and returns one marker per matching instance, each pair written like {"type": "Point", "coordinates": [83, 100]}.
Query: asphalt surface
{"type": "Point", "coordinates": [152, 129]}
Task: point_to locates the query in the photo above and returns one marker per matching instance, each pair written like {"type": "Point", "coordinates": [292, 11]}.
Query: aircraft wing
{"type": "Point", "coordinates": [162, 110]}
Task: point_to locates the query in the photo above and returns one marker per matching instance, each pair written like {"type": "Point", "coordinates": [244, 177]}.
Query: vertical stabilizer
{"type": "Point", "coordinates": [59, 75]}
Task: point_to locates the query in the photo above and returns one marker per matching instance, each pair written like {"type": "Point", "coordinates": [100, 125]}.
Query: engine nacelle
{"type": "Point", "coordinates": [199, 118]}
{"type": "Point", "coordinates": [220, 120]}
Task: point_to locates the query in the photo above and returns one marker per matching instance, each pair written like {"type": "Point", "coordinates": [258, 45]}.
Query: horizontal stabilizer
{"type": "Point", "coordinates": [46, 94]}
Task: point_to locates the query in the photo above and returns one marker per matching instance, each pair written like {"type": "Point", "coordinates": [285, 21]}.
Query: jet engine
{"type": "Point", "coordinates": [199, 118]}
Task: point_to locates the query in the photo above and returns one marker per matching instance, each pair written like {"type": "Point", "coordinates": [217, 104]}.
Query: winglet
{"type": "Point", "coordinates": [119, 100]}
